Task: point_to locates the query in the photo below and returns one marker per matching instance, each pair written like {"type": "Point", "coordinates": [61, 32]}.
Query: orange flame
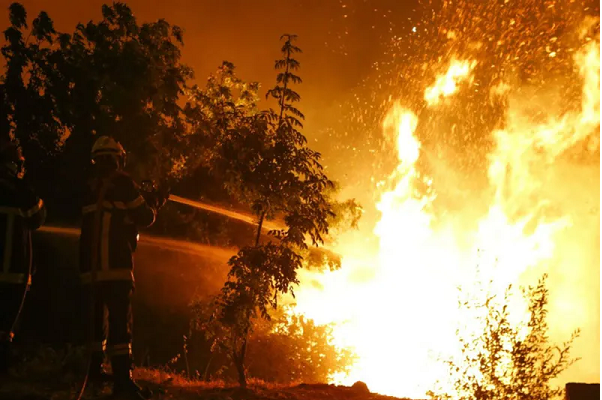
{"type": "Point", "coordinates": [447, 84]}
{"type": "Point", "coordinates": [400, 312]}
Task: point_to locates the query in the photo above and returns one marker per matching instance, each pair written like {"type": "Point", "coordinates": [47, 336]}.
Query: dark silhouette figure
{"type": "Point", "coordinates": [21, 211]}
{"type": "Point", "coordinates": [113, 210]}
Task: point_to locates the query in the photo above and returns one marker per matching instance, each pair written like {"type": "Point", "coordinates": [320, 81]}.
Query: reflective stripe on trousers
{"type": "Point", "coordinates": [121, 349]}
{"type": "Point", "coordinates": [113, 316]}
{"type": "Point", "coordinates": [99, 347]}
{"type": "Point", "coordinates": [109, 275]}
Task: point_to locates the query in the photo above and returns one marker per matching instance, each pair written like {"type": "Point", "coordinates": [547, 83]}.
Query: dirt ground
{"type": "Point", "coordinates": [166, 386]}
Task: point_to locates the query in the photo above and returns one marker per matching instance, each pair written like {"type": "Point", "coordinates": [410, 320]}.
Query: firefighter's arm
{"type": "Point", "coordinates": [139, 211]}
{"type": "Point", "coordinates": [32, 209]}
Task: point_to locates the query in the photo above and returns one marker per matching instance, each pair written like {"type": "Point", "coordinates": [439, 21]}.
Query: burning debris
{"type": "Point", "coordinates": [404, 316]}
{"type": "Point", "coordinates": [475, 147]}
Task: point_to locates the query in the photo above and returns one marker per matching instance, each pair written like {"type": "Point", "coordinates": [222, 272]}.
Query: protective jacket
{"type": "Point", "coordinates": [112, 212]}
{"type": "Point", "coordinates": [21, 211]}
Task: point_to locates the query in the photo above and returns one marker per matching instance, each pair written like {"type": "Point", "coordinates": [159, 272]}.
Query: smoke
{"type": "Point", "coordinates": [526, 76]}
{"type": "Point", "coordinates": [506, 161]}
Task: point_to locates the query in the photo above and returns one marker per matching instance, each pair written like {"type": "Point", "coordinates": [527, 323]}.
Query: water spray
{"type": "Point", "coordinates": [182, 246]}
{"type": "Point", "coordinates": [248, 218]}
{"type": "Point", "coordinates": [152, 192]}
{"type": "Point", "coordinates": [173, 244]}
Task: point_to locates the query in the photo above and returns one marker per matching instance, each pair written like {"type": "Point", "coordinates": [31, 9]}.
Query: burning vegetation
{"type": "Point", "coordinates": [474, 147]}
{"type": "Point", "coordinates": [493, 116]}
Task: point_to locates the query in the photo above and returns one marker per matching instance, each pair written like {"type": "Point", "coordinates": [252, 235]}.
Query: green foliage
{"type": "Point", "coordinates": [129, 79]}
{"type": "Point", "coordinates": [295, 349]}
{"type": "Point", "coordinates": [114, 77]}
{"type": "Point", "coordinates": [239, 147]}
{"type": "Point", "coordinates": [346, 214]}
{"type": "Point", "coordinates": [28, 111]}
{"type": "Point", "coordinates": [221, 120]}
{"type": "Point", "coordinates": [268, 166]}
{"type": "Point", "coordinates": [282, 349]}
{"type": "Point", "coordinates": [505, 361]}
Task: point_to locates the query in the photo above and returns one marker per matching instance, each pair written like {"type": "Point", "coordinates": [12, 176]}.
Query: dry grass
{"type": "Point", "coordinates": [166, 377]}
{"type": "Point", "coordinates": [172, 386]}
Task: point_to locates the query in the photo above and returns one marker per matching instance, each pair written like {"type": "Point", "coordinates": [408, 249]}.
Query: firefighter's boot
{"type": "Point", "coordinates": [96, 374]}
{"type": "Point", "coordinates": [5, 357]}
{"type": "Point", "coordinates": [124, 386]}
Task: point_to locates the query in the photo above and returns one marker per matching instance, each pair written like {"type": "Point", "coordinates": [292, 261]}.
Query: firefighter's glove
{"type": "Point", "coordinates": [162, 196]}
{"type": "Point", "coordinates": [160, 201]}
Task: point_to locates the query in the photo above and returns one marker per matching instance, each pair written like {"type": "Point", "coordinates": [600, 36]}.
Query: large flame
{"type": "Point", "coordinates": [397, 308]}
{"type": "Point", "coordinates": [447, 84]}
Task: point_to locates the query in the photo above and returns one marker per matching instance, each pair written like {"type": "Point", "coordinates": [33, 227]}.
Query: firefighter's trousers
{"type": "Point", "coordinates": [12, 296]}
{"type": "Point", "coordinates": [112, 334]}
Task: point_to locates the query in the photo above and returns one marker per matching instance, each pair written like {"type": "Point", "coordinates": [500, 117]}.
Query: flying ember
{"type": "Point", "coordinates": [447, 84]}
{"type": "Point", "coordinates": [402, 314]}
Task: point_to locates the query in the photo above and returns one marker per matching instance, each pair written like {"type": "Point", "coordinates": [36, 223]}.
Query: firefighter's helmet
{"type": "Point", "coordinates": [11, 158]}
{"type": "Point", "coordinates": [107, 146]}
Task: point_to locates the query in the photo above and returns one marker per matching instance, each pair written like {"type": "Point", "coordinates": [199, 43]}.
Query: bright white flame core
{"type": "Point", "coordinates": [404, 312]}
{"type": "Point", "coordinates": [447, 84]}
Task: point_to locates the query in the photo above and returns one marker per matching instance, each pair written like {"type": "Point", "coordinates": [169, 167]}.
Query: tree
{"type": "Point", "coordinates": [227, 132]}
{"type": "Point", "coordinates": [292, 348]}
{"type": "Point", "coordinates": [28, 109]}
{"type": "Point", "coordinates": [268, 165]}
{"type": "Point", "coordinates": [126, 81]}
{"type": "Point", "coordinates": [286, 348]}
{"type": "Point", "coordinates": [240, 147]}
{"type": "Point", "coordinates": [221, 120]}
{"type": "Point", "coordinates": [506, 361]}
{"type": "Point", "coordinates": [112, 77]}
{"type": "Point", "coordinates": [216, 117]}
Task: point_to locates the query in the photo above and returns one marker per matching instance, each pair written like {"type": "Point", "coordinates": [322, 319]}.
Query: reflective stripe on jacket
{"type": "Point", "coordinates": [21, 211]}
{"type": "Point", "coordinates": [123, 210]}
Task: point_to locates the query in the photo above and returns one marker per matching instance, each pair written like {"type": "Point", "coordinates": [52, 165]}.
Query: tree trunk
{"type": "Point", "coordinates": [259, 227]}
{"type": "Point", "coordinates": [206, 374]}
{"type": "Point", "coordinates": [284, 87]}
{"type": "Point", "coordinates": [242, 379]}
{"type": "Point", "coordinates": [240, 365]}
{"type": "Point", "coordinates": [185, 349]}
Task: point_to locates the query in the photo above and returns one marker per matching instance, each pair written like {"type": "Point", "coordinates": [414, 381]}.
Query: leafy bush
{"type": "Point", "coordinates": [295, 349]}
{"type": "Point", "coordinates": [505, 360]}
{"type": "Point", "coordinates": [283, 349]}
{"type": "Point", "coordinates": [268, 166]}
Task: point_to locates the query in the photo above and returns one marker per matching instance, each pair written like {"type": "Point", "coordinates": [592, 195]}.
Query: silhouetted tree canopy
{"type": "Point", "coordinates": [286, 348]}
{"type": "Point", "coordinates": [111, 77]}
{"type": "Point", "coordinates": [116, 77]}
{"type": "Point", "coordinates": [503, 360]}
{"type": "Point", "coordinates": [266, 164]}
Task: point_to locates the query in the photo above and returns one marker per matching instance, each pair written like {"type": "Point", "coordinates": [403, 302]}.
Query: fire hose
{"type": "Point", "coordinates": [25, 290]}
{"type": "Point", "coordinates": [152, 191]}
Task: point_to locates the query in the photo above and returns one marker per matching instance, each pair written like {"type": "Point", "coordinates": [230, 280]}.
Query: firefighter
{"type": "Point", "coordinates": [21, 212]}
{"type": "Point", "coordinates": [113, 210]}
